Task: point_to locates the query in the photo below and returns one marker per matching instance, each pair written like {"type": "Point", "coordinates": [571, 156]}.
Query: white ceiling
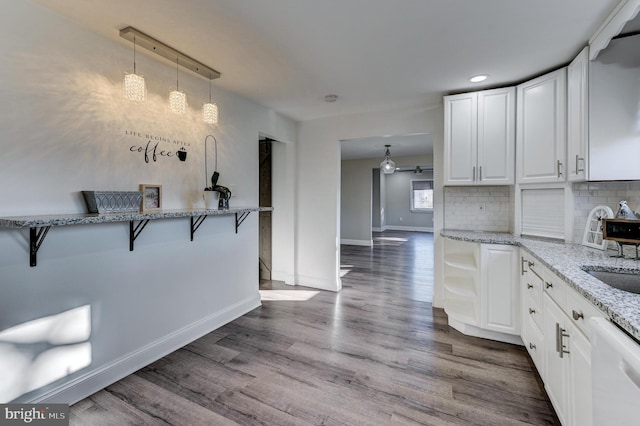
{"type": "Point", "coordinates": [374, 54]}
{"type": "Point", "coordinates": [401, 146]}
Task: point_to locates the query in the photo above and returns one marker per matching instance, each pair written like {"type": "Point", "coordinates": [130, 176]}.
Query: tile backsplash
{"type": "Point", "coordinates": [462, 206]}
{"type": "Point", "coordinates": [588, 195]}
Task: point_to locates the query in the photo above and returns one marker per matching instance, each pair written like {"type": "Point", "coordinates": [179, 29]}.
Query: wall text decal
{"type": "Point", "coordinates": [154, 147]}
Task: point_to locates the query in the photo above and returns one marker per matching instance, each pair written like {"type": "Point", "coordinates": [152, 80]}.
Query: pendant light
{"type": "Point", "coordinates": [177, 98]}
{"type": "Point", "coordinates": [134, 88]}
{"type": "Point", "coordinates": [210, 110]}
{"type": "Point", "coordinates": [388, 166]}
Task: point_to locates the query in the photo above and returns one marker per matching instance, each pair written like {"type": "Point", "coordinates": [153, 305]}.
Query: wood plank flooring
{"type": "Point", "coordinates": [375, 353]}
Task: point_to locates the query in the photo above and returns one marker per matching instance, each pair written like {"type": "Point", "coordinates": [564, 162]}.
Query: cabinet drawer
{"type": "Point", "coordinates": [555, 287]}
{"type": "Point", "coordinates": [580, 310]}
{"type": "Point", "coordinates": [532, 282]}
{"type": "Point", "coordinates": [532, 311]}
{"type": "Point", "coordinates": [533, 341]}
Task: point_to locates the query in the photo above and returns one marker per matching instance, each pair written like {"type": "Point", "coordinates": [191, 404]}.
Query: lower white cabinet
{"type": "Point", "coordinates": [556, 357]}
{"type": "Point", "coordinates": [481, 289]}
{"type": "Point", "coordinates": [556, 331]}
{"type": "Point", "coordinates": [567, 352]}
{"type": "Point", "coordinates": [499, 288]}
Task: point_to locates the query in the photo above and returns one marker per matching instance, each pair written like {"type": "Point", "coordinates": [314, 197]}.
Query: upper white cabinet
{"type": "Point", "coordinates": [577, 117]}
{"type": "Point", "coordinates": [480, 138]}
{"type": "Point", "coordinates": [614, 108]}
{"type": "Point", "coordinates": [541, 129]}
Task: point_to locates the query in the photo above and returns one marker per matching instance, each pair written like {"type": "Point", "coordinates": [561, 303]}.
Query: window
{"type": "Point", "coordinates": [421, 195]}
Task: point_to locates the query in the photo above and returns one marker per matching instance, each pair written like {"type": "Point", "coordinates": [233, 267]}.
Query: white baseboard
{"type": "Point", "coordinates": [368, 243]}
{"type": "Point", "coordinates": [93, 381]}
{"type": "Point", "coordinates": [319, 283]}
{"type": "Point", "coordinates": [283, 276]}
{"type": "Point", "coordinates": [408, 228]}
{"type": "Point", "coordinates": [378, 229]}
{"type": "Point", "coordinates": [471, 330]}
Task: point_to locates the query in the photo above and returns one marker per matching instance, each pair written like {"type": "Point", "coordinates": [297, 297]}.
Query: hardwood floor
{"type": "Point", "coordinates": [375, 353]}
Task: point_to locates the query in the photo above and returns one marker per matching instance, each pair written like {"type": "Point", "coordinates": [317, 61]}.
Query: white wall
{"type": "Point", "coordinates": [66, 128]}
{"type": "Point", "coordinates": [318, 149]}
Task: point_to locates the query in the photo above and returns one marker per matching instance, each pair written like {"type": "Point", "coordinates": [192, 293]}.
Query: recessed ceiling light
{"type": "Point", "coordinates": [331, 98]}
{"type": "Point", "coordinates": [478, 78]}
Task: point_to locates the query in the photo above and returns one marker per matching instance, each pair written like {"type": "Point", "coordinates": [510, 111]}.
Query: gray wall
{"type": "Point", "coordinates": [398, 202]}
{"type": "Point", "coordinates": [356, 201]}
{"type": "Point", "coordinates": [356, 197]}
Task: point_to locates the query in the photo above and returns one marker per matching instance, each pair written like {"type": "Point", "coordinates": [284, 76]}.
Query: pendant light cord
{"type": "Point", "coordinates": [177, 59]}
{"type": "Point", "coordinates": [134, 53]}
{"type": "Point", "coordinates": [206, 169]}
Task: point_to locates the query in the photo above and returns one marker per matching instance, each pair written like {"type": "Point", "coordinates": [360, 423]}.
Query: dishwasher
{"type": "Point", "coordinates": [615, 368]}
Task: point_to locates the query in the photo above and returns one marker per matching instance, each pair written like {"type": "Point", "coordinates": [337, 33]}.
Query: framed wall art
{"type": "Point", "coordinates": [151, 197]}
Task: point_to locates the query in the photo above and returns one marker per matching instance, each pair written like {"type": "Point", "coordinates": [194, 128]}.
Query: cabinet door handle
{"type": "Point", "coordinates": [532, 311]}
{"type": "Point", "coordinates": [531, 346]}
{"type": "Point", "coordinates": [522, 270]}
{"type": "Point", "coordinates": [578, 159]}
{"type": "Point", "coordinates": [529, 286]}
{"type": "Point", "coordinates": [560, 335]}
{"type": "Point", "coordinates": [480, 174]}
{"type": "Point", "coordinates": [474, 173]}
{"type": "Point", "coordinates": [577, 315]}
{"type": "Point", "coordinates": [559, 166]}
{"type": "Point", "coordinates": [548, 285]}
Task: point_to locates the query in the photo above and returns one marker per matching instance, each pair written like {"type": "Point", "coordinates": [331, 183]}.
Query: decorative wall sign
{"type": "Point", "coordinates": [153, 147]}
{"type": "Point", "coordinates": [151, 197]}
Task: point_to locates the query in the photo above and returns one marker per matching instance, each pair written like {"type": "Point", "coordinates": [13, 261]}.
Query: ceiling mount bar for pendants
{"type": "Point", "coordinates": [168, 52]}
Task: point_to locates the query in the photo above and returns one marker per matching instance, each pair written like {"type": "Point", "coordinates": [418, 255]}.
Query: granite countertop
{"type": "Point", "coordinates": [89, 218]}
{"type": "Point", "coordinates": [568, 261]}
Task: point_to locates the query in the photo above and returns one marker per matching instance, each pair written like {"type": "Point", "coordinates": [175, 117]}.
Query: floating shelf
{"type": "Point", "coordinates": [39, 225]}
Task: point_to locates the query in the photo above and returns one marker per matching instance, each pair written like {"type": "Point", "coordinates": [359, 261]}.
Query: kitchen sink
{"type": "Point", "coordinates": [627, 281]}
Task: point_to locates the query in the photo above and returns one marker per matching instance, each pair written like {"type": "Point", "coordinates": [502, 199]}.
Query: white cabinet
{"type": "Point", "coordinates": [462, 281]}
{"type": "Point", "coordinates": [480, 138]}
{"type": "Point", "coordinates": [556, 357]}
{"type": "Point", "coordinates": [567, 351]}
{"type": "Point", "coordinates": [531, 289]}
{"type": "Point", "coordinates": [577, 117]}
{"type": "Point", "coordinates": [499, 288]}
{"type": "Point", "coordinates": [614, 107]}
{"type": "Point", "coordinates": [481, 289]}
{"type": "Point", "coordinates": [541, 129]}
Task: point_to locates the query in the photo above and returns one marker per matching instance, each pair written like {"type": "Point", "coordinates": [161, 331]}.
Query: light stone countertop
{"type": "Point", "coordinates": [567, 262]}
{"type": "Point", "coordinates": [92, 218]}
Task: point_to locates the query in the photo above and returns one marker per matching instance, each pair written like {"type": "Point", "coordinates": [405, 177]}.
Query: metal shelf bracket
{"type": "Point", "coordinates": [135, 230]}
{"type": "Point", "coordinates": [240, 218]}
{"type": "Point", "coordinates": [195, 224]}
{"type": "Point", "coordinates": [36, 237]}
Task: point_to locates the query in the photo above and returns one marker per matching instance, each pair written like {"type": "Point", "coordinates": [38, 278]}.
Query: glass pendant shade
{"type": "Point", "coordinates": [134, 88]}
{"type": "Point", "coordinates": [210, 113]}
{"type": "Point", "coordinates": [388, 166]}
{"type": "Point", "coordinates": [178, 102]}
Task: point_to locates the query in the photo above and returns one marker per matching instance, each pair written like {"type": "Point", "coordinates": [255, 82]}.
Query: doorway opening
{"type": "Point", "coordinates": [265, 226]}
{"type": "Point", "coordinates": [389, 214]}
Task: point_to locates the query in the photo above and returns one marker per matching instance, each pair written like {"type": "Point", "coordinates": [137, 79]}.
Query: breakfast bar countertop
{"type": "Point", "coordinates": [569, 262]}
